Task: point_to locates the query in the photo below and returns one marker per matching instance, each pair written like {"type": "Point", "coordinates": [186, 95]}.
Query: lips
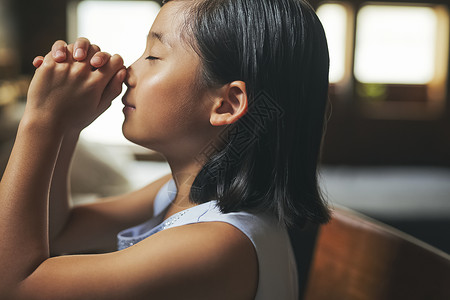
{"type": "Point", "coordinates": [127, 104]}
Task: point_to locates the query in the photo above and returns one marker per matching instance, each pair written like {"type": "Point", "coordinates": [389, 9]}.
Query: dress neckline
{"type": "Point", "coordinates": [169, 201]}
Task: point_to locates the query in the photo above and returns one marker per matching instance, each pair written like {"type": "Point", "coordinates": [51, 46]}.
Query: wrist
{"type": "Point", "coordinates": [72, 134]}
{"type": "Point", "coordinates": [41, 124]}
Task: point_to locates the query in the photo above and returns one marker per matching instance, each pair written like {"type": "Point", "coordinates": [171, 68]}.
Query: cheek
{"type": "Point", "coordinates": [168, 107]}
{"type": "Point", "coordinates": [171, 97]}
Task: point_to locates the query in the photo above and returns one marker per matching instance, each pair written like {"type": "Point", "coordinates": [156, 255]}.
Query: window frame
{"type": "Point", "coordinates": [347, 92]}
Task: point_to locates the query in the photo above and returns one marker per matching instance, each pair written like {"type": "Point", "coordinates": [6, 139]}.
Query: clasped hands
{"type": "Point", "coordinates": [73, 85]}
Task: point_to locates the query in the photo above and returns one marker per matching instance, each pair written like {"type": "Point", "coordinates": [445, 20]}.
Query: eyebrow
{"type": "Point", "coordinates": [160, 37]}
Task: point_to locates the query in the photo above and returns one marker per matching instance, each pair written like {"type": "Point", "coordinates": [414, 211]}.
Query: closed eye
{"type": "Point", "coordinates": [151, 58]}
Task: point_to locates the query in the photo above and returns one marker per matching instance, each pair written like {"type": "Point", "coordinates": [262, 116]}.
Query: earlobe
{"type": "Point", "coordinates": [230, 105]}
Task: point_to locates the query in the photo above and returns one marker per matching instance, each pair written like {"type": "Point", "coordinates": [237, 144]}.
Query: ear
{"type": "Point", "coordinates": [230, 105]}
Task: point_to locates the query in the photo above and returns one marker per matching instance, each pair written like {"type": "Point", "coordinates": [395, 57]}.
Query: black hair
{"type": "Point", "coordinates": [267, 161]}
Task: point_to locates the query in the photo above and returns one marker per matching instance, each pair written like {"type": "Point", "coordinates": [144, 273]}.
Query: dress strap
{"type": "Point", "coordinates": [165, 196]}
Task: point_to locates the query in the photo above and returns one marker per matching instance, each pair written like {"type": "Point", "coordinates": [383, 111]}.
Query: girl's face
{"type": "Point", "coordinates": [165, 109]}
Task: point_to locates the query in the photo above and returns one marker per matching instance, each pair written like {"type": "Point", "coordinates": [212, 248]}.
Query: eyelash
{"type": "Point", "coordinates": [151, 58]}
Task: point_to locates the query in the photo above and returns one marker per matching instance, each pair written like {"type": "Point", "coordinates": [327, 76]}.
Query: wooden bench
{"type": "Point", "coordinates": [356, 257]}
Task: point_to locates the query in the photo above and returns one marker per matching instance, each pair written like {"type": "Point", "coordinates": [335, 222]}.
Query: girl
{"type": "Point", "coordinates": [233, 94]}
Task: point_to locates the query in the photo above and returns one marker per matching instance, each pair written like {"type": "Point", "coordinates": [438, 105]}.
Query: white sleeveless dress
{"type": "Point", "coordinates": [277, 267]}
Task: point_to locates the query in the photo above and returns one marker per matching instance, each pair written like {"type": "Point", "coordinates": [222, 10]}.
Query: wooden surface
{"type": "Point", "coordinates": [359, 258]}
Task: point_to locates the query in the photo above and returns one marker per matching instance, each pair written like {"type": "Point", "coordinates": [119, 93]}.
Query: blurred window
{"type": "Point", "coordinates": [398, 53]}
{"type": "Point", "coordinates": [334, 18]}
{"type": "Point", "coordinates": [395, 44]}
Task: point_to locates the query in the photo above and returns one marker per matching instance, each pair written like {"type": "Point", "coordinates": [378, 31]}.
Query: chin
{"type": "Point", "coordinates": [132, 138]}
{"type": "Point", "coordinates": [140, 141]}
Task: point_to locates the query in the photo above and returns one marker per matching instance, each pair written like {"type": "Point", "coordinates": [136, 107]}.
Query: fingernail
{"type": "Point", "coordinates": [59, 54]}
{"type": "Point", "coordinates": [79, 53]}
{"type": "Point", "coordinates": [97, 60]}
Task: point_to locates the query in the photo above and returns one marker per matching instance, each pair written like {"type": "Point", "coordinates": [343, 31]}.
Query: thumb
{"type": "Point", "coordinates": [112, 89]}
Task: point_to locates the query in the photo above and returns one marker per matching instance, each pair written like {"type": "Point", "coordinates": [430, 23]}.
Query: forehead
{"type": "Point", "coordinates": [161, 37]}
{"type": "Point", "coordinates": [167, 26]}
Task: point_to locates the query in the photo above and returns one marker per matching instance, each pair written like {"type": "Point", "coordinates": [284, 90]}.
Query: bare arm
{"type": "Point", "coordinates": [23, 199]}
{"type": "Point", "coordinates": [59, 200]}
{"type": "Point", "coordinates": [24, 189]}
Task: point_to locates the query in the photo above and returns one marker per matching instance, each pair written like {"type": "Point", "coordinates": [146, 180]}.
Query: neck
{"type": "Point", "coordinates": [185, 166]}
{"type": "Point", "coordinates": [184, 172]}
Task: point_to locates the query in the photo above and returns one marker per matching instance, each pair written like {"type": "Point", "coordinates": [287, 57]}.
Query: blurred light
{"type": "Point", "coordinates": [117, 27]}
{"type": "Point", "coordinates": [334, 20]}
{"type": "Point", "coordinates": [395, 44]}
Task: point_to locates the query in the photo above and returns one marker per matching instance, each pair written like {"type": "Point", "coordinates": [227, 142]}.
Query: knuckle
{"type": "Point", "coordinates": [47, 63]}
{"type": "Point", "coordinates": [48, 57]}
{"type": "Point", "coordinates": [117, 59]}
{"type": "Point", "coordinates": [79, 70]}
{"type": "Point", "coordinates": [62, 68]}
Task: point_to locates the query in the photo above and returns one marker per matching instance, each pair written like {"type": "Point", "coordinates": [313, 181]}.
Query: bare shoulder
{"type": "Point", "coordinates": [211, 260]}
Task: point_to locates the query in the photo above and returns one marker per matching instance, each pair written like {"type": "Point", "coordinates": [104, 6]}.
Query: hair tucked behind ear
{"type": "Point", "coordinates": [269, 161]}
